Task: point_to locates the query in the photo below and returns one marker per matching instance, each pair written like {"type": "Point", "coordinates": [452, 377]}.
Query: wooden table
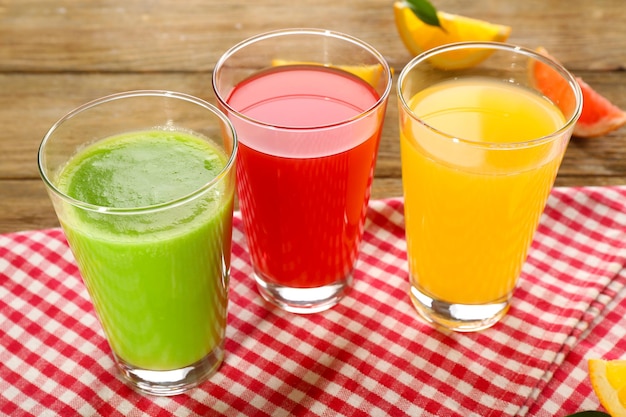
{"type": "Point", "coordinates": [57, 55]}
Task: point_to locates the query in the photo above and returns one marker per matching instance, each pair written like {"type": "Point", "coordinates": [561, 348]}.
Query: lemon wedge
{"type": "Point", "coordinates": [608, 379]}
{"type": "Point", "coordinates": [418, 37]}
{"type": "Point", "coordinates": [371, 74]}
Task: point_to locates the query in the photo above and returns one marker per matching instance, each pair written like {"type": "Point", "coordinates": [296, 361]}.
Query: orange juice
{"type": "Point", "coordinates": [477, 171]}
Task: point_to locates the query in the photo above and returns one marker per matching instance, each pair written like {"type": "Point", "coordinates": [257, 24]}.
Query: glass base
{"type": "Point", "coordinates": [458, 317]}
{"type": "Point", "coordinates": [303, 300]}
{"type": "Point", "coordinates": [172, 382]}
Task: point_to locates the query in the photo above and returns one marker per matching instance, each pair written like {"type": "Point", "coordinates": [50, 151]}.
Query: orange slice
{"type": "Point", "coordinates": [599, 116]}
{"type": "Point", "coordinates": [608, 379]}
{"type": "Point", "coordinates": [418, 36]}
{"type": "Point", "coordinates": [371, 74]}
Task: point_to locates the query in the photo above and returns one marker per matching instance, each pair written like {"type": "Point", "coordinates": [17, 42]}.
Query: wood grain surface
{"type": "Point", "coordinates": [55, 56]}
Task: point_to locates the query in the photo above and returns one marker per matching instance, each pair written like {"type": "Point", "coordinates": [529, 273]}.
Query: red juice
{"type": "Point", "coordinates": [303, 189]}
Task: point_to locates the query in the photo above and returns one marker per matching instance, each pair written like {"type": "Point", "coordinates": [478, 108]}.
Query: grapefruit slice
{"type": "Point", "coordinates": [599, 116]}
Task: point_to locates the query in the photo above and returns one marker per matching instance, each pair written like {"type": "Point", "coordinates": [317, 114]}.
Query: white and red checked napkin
{"type": "Point", "coordinates": [368, 356]}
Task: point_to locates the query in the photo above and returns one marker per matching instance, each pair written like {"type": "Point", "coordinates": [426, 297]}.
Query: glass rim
{"type": "Point", "coordinates": [141, 209]}
{"type": "Point", "coordinates": [496, 46]}
{"type": "Point", "coordinates": [301, 31]}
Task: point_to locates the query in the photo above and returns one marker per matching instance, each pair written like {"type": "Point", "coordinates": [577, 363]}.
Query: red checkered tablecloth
{"type": "Point", "coordinates": [368, 356]}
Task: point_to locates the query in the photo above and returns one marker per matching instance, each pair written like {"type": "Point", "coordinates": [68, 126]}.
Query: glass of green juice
{"type": "Point", "coordinates": [143, 183]}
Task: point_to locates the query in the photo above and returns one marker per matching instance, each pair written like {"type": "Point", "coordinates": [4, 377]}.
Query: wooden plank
{"type": "Point", "coordinates": [111, 35]}
{"type": "Point", "coordinates": [31, 103]}
{"type": "Point", "coordinates": [24, 205]}
{"type": "Point", "coordinates": [165, 36]}
{"type": "Point", "coordinates": [56, 56]}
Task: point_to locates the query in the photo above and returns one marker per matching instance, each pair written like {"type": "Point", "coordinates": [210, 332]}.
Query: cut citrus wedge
{"type": "Point", "coordinates": [418, 37]}
{"type": "Point", "coordinates": [371, 74]}
{"type": "Point", "coordinates": [599, 116]}
{"type": "Point", "coordinates": [608, 379]}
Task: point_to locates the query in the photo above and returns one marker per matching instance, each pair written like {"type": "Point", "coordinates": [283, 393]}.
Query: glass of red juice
{"type": "Point", "coordinates": [143, 184]}
{"type": "Point", "coordinates": [308, 106]}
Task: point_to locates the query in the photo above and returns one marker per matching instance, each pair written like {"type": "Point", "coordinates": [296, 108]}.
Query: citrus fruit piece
{"type": "Point", "coordinates": [608, 379]}
{"type": "Point", "coordinates": [599, 116]}
{"type": "Point", "coordinates": [418, 36]}
{"type": "Point", "coordinates": [371, 74]}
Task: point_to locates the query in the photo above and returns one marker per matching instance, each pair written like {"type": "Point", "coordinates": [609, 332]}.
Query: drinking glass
{"type": "Point", "coordinates": [308, 106]}
{"type": "Point", "coordinates": [480, 150]}
{"type": "Point", "coordinates": [143, 185]}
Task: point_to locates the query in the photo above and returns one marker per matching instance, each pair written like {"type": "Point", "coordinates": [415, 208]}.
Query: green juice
{"type": "Point", "coordinates": [158, 278]}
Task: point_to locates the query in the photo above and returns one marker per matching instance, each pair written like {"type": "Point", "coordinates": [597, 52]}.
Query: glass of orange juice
{"type": "Point", "coordinates": [480, 149]}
